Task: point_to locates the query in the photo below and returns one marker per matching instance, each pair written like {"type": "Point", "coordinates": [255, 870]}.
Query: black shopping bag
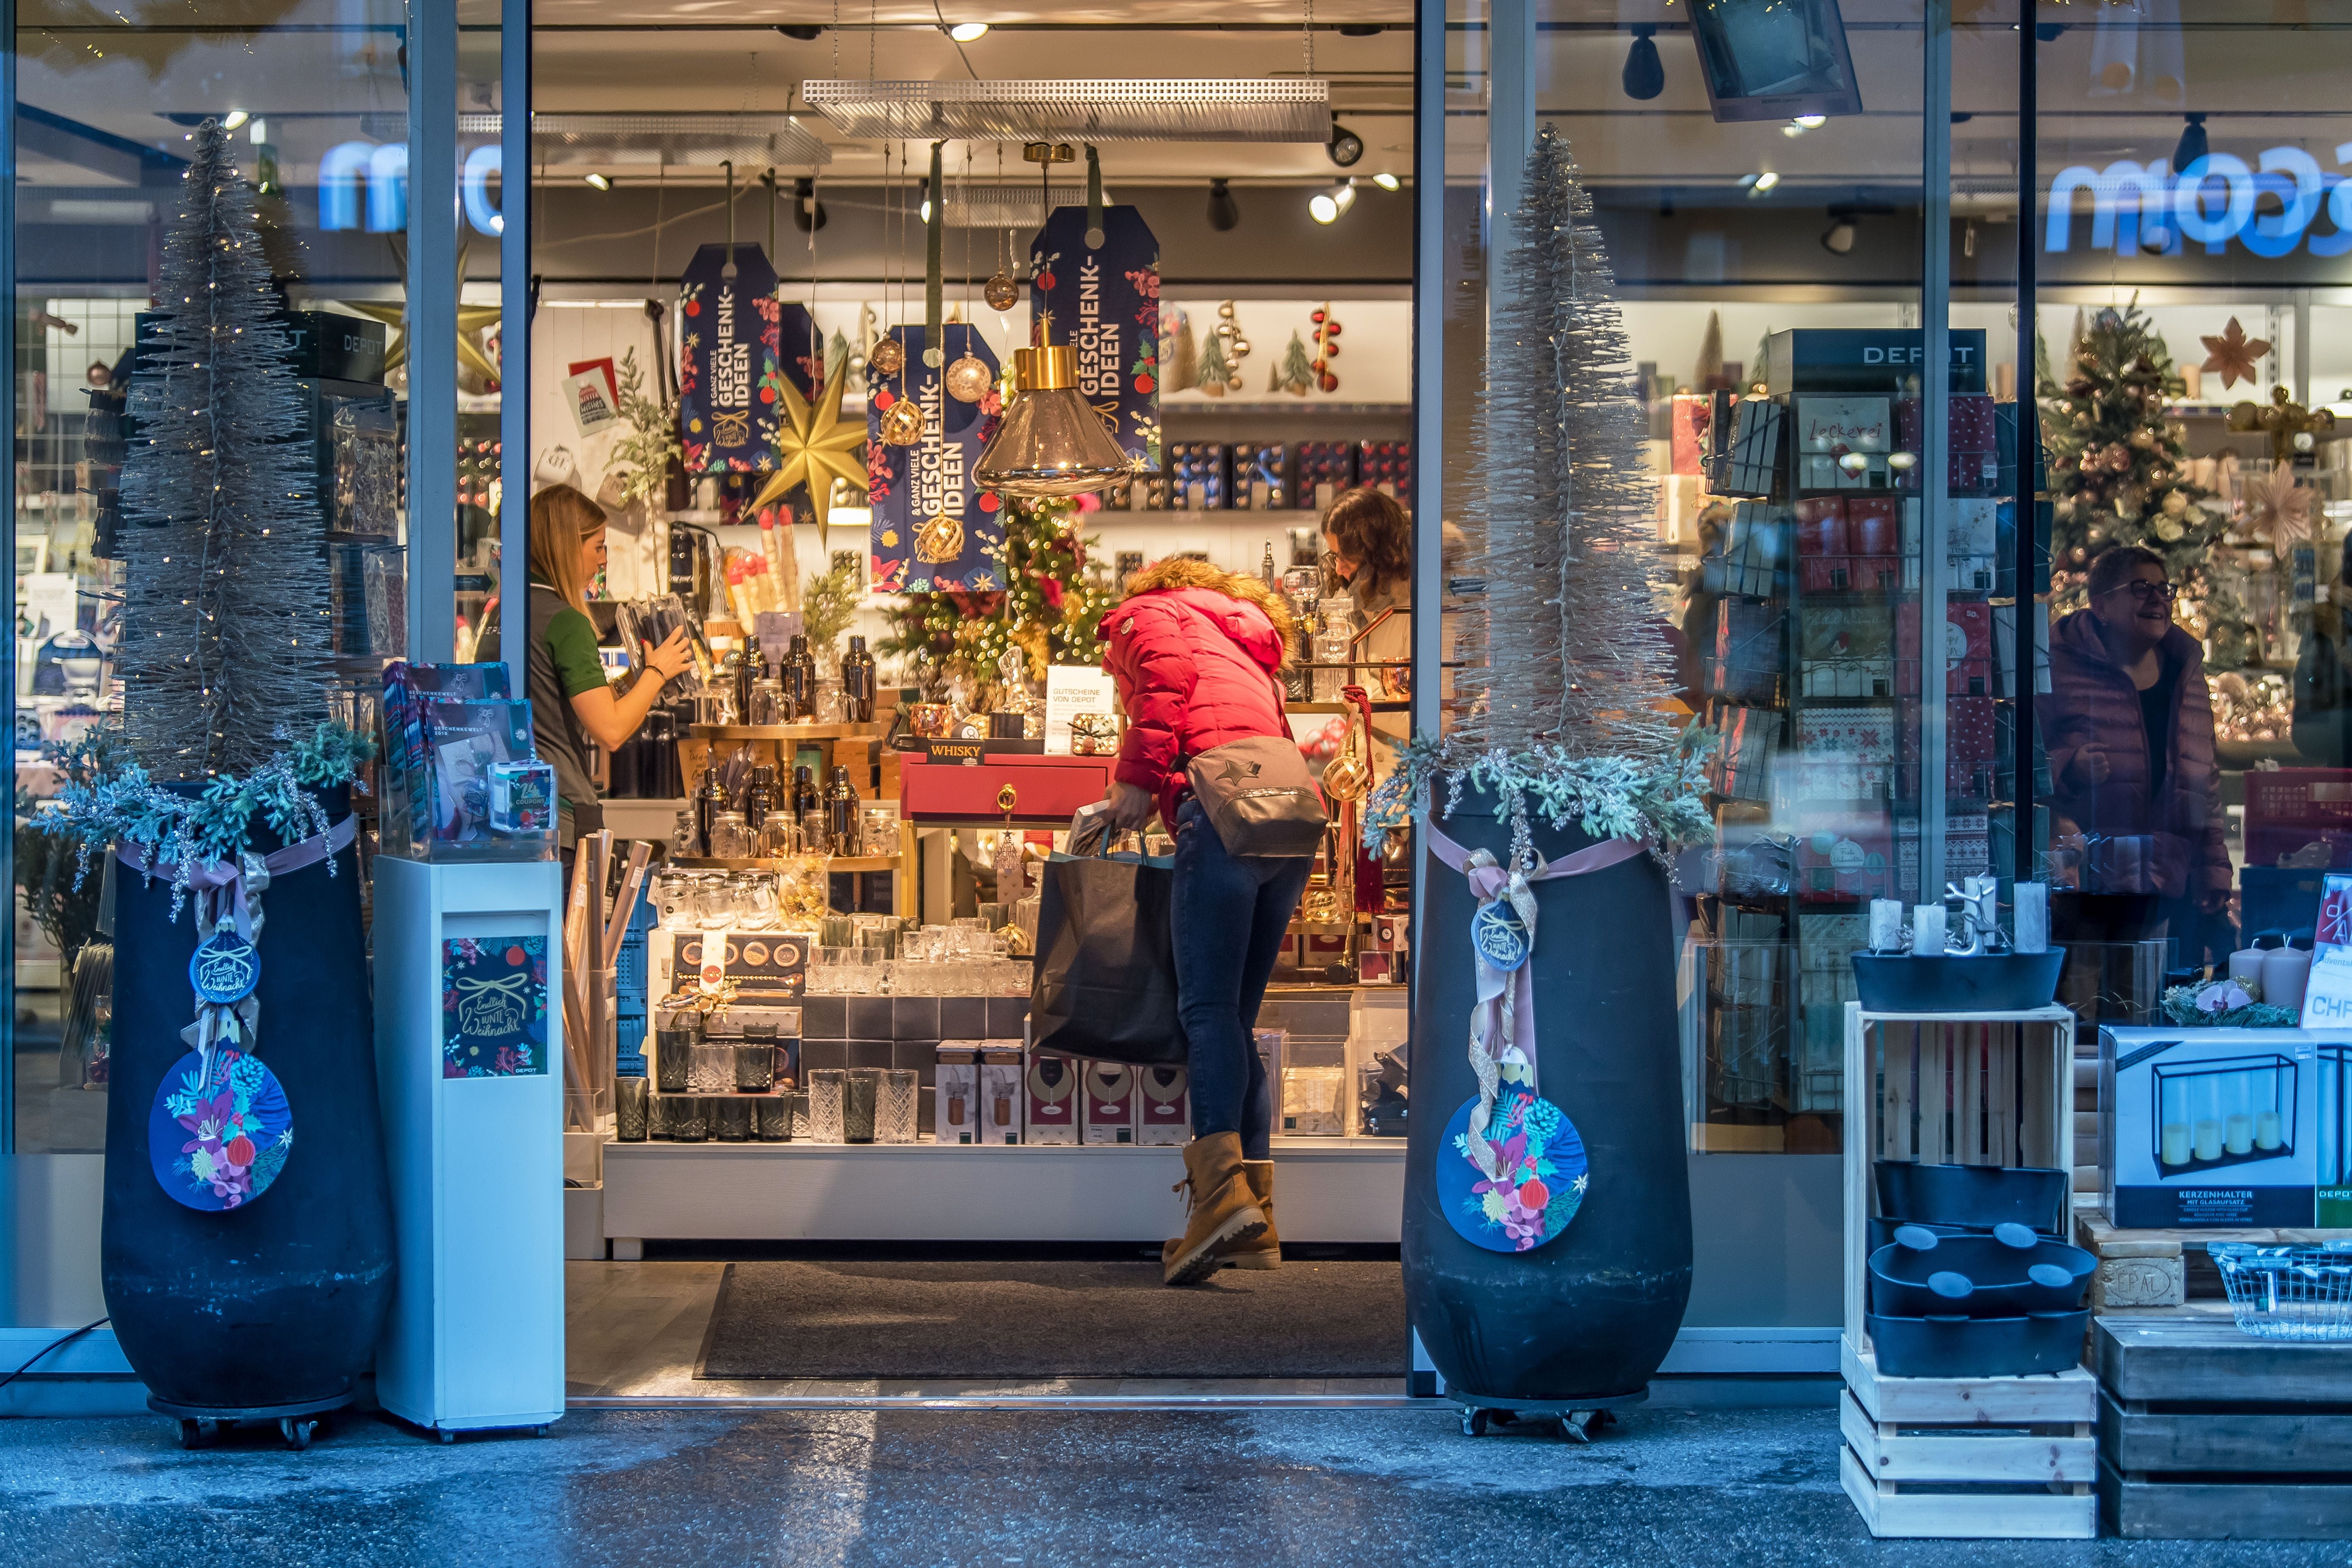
{"type": "Point", "coordinates": [1104, 986]}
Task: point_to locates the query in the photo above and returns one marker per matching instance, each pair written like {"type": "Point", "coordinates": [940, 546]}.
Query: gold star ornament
{"type": "Point", "coordinates": [817, 447]}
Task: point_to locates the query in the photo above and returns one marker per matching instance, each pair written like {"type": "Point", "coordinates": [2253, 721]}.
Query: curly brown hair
{"type": "Point", "coordinates": [1373, 534]}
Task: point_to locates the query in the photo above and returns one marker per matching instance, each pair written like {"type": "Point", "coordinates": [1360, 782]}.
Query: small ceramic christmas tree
{"type": "Point", "coordinates": [1296, 374]}
{"type": "Point", "coordinates": [1216, 370]}
{"type": "Point", "coordinates": [227, 640]}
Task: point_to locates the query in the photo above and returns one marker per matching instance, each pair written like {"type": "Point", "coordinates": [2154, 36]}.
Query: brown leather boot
{"type": "Point", "coordinates": [1265, 1252]}
{"type": "Point", "coordinates": [1224, 1214]}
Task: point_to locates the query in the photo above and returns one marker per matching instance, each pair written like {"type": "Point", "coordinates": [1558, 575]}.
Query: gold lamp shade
{"type": "Point", "coordinates": [1051, 444]}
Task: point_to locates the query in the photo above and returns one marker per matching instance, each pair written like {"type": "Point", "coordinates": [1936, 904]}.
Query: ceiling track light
{"type": "Point", "coordinates": [1345, 195]}
{"type": "Point", "coordinates": [968, 32]}
{"type": "Point", "coordinates": [1345, 147]}
{"type": "Point", "coordinates": [1322, 208]}
{"type": "Point", "coordinates": [1224, 212]}
{"type": "Point", "coordinates": [602, 181]}
{"type": "Point", "coordinates": [1386, 181]}
{"type": "Point", "coordinates": [1644, 76]}
{"type": "Point", "coordinates": [808, 213]}
{"type": "Point", "coordinates": [800, 33]}
{"type": "Point", "coordinates": [1839, 237]}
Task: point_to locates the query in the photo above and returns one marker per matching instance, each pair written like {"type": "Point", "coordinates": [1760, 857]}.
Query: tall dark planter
{"type": "Point", "coordinates": [272, 1308]}
{"type": "Point", "coordinates": [1592, 1312]}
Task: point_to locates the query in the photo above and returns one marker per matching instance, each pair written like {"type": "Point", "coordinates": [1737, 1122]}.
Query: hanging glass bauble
{"type": "Point", "coordinates": [902, 423]}
{"type": "Point", "coordinates": [938, 540]}
{"type": "Point", "coordinates": [969, 378]}
{"type": "Point", "coordinates": [887, 355]}
{"type": "Point", "coordinates": [1002, 291]}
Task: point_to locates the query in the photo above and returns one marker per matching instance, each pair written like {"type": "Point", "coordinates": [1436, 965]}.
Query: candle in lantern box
{"type": "Point", "coordinates": [1928, 931]}
{"type": "Point", "coordinates": [1885, 925]}
{"type": "Point", "coordinates": [2032, 917]}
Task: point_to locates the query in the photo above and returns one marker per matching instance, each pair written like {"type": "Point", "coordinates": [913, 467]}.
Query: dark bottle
{"type": "Point", "coordinates": [760, 798]}
{"type": "Point", "coordinates": [749, 668]}
{"type": "Point", "coordinates": [709, 802]}
{"type": "Point", "coordinates": [841, 810]}
{"type": "Point", "coordinates": [798, 678]}
{"type": "Point", "coordinates": [857, 683]}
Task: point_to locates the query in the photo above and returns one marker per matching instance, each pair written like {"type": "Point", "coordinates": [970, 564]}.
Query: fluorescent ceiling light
{"type": "Point", "coordinates": [968, 32]}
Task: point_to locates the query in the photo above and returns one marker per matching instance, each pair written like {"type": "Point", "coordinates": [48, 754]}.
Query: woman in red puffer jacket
{"type": "Point", "coordinates": [1197, 653]}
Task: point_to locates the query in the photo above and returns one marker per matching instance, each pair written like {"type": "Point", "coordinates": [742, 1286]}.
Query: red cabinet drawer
{"type": "Point", "coordinates": [1045, 790]}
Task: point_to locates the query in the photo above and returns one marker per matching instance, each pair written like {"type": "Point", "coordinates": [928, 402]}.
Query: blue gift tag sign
{"type": "Point", "coordinates": [1497, 935]}
{"type": "Point", "coordinates": [1541, 1173]}
{"type": "Point", "coordinates": [217, 1141]}
{"type": "Point", "coordinates": [224, 968]}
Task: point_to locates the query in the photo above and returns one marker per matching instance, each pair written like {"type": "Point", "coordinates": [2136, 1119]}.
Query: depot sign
{"type": "Point", "coordinates": [2146, 209]}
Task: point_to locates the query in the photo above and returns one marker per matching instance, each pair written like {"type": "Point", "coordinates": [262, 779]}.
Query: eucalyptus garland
{"type": "Point", "coordinates": [1606, 796]}
{"type": "Point", "coordinates": [180, 831]}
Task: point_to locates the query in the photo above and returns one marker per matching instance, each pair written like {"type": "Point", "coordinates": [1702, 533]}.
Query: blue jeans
{"type": "Point", "coordinates": [1229, 916]}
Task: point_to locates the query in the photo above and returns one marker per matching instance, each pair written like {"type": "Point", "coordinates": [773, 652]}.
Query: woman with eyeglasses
{"type": "Point", "coordinates": [2128, 725]}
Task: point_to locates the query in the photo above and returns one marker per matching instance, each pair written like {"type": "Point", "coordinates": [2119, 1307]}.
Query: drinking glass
{"type": "Point", "coordinates": [814, 837]}
{"type": "Point", "coordinates": [753, 894]}
{"type": "Point", "coordinates": [676, 1034]}
{"type": "Point", "coordinates": [674, 899]}
{"type": "Point", "coordinates": [780, 835]}
{"type": "Point", "coordinates": [772, 1115]}
{"type": "Point", "coordinates": [878, 831]}
{"type": "Point", "coordinates": [826, 1092]}
{"type": "Point", "coordinates": [755, 1067]}
{"type": "Point", "coordinates": [657, 1110]}
{"type": "Point", "coordinates": [730, 836]}
{"type": "Point", "coordinates": [799, 1117]}
{"type": "Point", "coordinates": [711, 1068]}
{"type": "Point", "coordinates": [733, 1124]}
{"type": "Point", "coordinates": [860, 1093]}
{"type": "Point", "coordinates": [629, 1100]}
{"type": "Point", "coordinates": [895, 1108]}
{"type": "Point", "coordinates": [690, 1119]}
{"type": "Point", "coordinates": [712, 906]}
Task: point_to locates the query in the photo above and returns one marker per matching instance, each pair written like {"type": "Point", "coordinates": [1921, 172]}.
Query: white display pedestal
{"type": "Point", "coordinates": [475, 1339]}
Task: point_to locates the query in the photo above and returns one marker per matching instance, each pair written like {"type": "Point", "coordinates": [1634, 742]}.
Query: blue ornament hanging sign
{"type": "Point", "coordinates": [935, 530]}
{"type": "Point", "coordinates": [218, 1135]}
{"type": "Point", "coordinates": [1541, 1172]}
{"type": "Point", "coordinates": [223, 969]}
{"type": "Point", "coordinates": [1103, 302]}
{"type": "Point", "coordinates": [730, 364]}
{"type": "Point", "coordinates": [1498, 935]}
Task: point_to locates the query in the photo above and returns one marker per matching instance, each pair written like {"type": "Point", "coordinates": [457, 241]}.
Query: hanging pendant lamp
{"type": "Point", "coordinates": [1051, 444]}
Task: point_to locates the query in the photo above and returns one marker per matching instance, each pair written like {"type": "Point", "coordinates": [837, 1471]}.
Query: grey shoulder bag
{"type": "Point", "coordinates": [1259, 797]}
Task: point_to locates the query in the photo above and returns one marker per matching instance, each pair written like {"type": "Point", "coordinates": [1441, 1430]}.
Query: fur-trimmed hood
{"type": "Point", "coordinates": [1181, 571]}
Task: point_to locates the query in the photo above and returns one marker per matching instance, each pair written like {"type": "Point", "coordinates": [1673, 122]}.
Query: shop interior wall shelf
{"type": "Point", "coordinates": [1250, 108]}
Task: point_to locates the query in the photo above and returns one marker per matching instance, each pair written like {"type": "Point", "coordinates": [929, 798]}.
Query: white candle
{"type": "Point", "coordinates": [2267, 1132]}
{"type": "Point", "coordinates": [2238, 1135]}
{"type": "Point", "coordinates": [2285, 972]}
{"type": "Point", "coordinates": [2176, 1143]}
{"type": "Point", "coordinates": [2245, 964]}
{"type": "Point", "coordinates": [2208, 1138]}
{"type": "Point", "coordinates": [1885, 925]}
{"type": "Point", "coordinates": [2032, 917]}
{"type": "Point", "coordinates": [1928, 931]}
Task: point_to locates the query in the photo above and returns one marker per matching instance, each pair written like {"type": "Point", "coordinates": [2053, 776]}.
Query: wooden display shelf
{"type": "Point", "coordinates": [1917, 1452]}
{"type": "Point", "coordinates": [785, 732]}
{"type": "Point", "coordinates": [833, 863]}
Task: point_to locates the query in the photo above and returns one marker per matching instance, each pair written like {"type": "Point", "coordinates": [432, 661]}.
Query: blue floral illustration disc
{"type": "Point", "coordinates": [217, 1143]}
{"type": "Point", "coordinates": [1542, 1183]}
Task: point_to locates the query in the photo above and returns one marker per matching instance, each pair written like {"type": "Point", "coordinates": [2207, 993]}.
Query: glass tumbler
{"type": "Point", "coordinates": [772, 1115]}
{"type": "Point", "coordinates": [710, 1068]}
{"type": "Point", "coordinates": [828, 1091]}
{"type": "Point", "coordinates": [798, 1116]}
{"type": "Point", "coordinates": [755, 1067]}
{"type": "Point", "coordinates": [630, 1098]}
{"type": "Point", "coordinates": [689, 1119]}
{"type": "Point", "coordinates": [658, 1111]}
{"type": "Point", "coordinates": [676, 1034]}
{"type": "Point", "coordinates": [895, 1106]}
{"type": "Point", "coordinates": [733, 1122]}
{"type": "Point", "coordinates": [859, 1096]}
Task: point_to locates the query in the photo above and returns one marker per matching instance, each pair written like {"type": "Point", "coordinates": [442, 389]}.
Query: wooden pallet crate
{"type": "Point", "coordinates": [1980, 1457]}
{"type": "Point", "coordinates": [2209, 1433]}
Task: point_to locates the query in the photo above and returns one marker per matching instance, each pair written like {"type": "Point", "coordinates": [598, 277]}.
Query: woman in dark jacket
{"type": "Point", "coordinates": [2129, 726]}
{"type": "Point", "coordinates": [1197, 653]}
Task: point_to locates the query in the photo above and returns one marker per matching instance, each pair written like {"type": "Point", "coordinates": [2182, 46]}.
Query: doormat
{"type": "Point", "coordinates": [1053, 1319]}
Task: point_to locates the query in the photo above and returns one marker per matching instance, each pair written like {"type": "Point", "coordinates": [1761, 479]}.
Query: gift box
{"type": "Point", "coordinates": [1199, 472]}
{"type": "Point", "coordinates": [1003, 1093]}
{"type": "Point", "coordinates": [1163, 1106]}
{"type": "Point", "coordinates": [1747, 650]}
{"type": "Point", "coordinates": [1832, 427]}
{"type": "Point", "coordinates": [1848, 573]}
{"type": "Point", "coordinates": [955, 1104]}
{"type": "Point", "coordinates": [1750, 458]}
{"type": "Point", "coordinates": [1054, 1109]}
{"type": "Point", "coordinates": [1740, 766]}
{"type": "Point", "coordinates": [464, 741]}
{"type": "Point", "coordinates": [1262, 477]}
{"type": "Point", "coordinates": [1387, 466]}
{"type": "Point", "coordinates": [1967, 649]}
{"type": "Point", "coordinates": [1325, 469]}
{"type": "Point", "coordinates": [1841, 754]}
{"type": "Point", "coordinates": [1108, 1114]}
{"type": "Point", "coordinates": [1691, 415]}
{"type": "Point", "coordinates": [1873, 525]}
{"type": "Point", "coordinates": [1754, 546]}
{"type": "Point", "coordinates": [1844, 857]}
{"type": "Point", "coordinates": [1822, 527]}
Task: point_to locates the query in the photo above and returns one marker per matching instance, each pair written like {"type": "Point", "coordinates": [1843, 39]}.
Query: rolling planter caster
{"type": "Point", "coordinates": [296, 1424]}
{"type": "Point", "coordinates": [1580, 1420]}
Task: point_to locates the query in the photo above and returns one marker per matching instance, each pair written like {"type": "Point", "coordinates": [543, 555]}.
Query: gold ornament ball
{"type": "Point", "coordinates": [1000, 292]}
{"type": "Point", "coordinates": [887, 355]}
{"type": "Point", "coordinates": [969, 378]}
{"type": "Point", "coordinates": [902, 423]}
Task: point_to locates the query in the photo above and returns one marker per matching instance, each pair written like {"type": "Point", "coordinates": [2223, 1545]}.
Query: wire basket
{"type": "Point", "coordinates": [2288, 1293]}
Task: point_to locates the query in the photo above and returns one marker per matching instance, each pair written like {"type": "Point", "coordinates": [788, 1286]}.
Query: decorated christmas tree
{"type": "Point", "coordinates": [2118, 472]}
{"type": "Point", "coordinates": [1048, 610]}
{"type": "Point", "coordinates": [225, 635]}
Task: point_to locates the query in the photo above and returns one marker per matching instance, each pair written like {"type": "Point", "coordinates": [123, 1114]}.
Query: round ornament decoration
{"type": "Point", "coordinates": [1541, 1179]}
{"type": "Point", "coordinates": [902, 423]}
{"type": "Point", "coordinates": [969, 378]}
{"type": "Point", "coordinates": [1001, 291]}
{"type": "Point", "coordinates": [938, 540]}
{"type": "Point", "coordinates": [217, 1140]}
{"type": "Point", "coordinates": [887, 355]}
{"type": "Point", "coordinates": [1498, 935]}
{"type": "Point", "coordinates": [224, 968]}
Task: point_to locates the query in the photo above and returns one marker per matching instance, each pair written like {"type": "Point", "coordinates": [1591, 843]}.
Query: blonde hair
{"type": "Point", "coordinates": [1180, 572]}
{"type": "Point", "coordinates": [562, 520]}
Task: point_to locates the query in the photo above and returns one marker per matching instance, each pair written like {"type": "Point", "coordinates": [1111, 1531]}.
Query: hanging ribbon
{"type": "Point", "coordinates": [1503, 1019]}
{"type": "Point", "coordinates": [932, 286]}
{"type": "Point", "coordinates": [230, 891]}
{"type": "Point", "coordinates": [1094, 200]}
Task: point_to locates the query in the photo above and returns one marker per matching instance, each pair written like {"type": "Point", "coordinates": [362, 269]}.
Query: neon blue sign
{"type": "Point", "coordinates": [382, 171]}
{"type": "Point", "coordinates": [2144, 209]}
